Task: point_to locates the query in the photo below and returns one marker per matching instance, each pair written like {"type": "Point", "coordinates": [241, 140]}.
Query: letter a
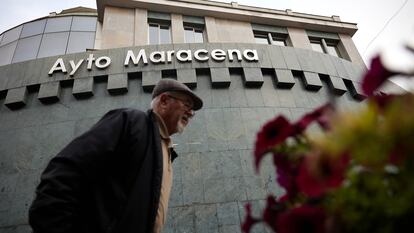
{"type": "Point", "coordinates": [58, 66]}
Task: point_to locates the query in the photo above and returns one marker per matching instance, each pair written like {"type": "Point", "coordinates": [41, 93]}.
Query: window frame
{"type": "Point", "coordinates": [325, 44]}
{"type": "Point", "coordinates": [159, 26]}
{"type": "Point", "coordinates": [272, 37]}
{"type": "Point", "coordinates": [194, 28]}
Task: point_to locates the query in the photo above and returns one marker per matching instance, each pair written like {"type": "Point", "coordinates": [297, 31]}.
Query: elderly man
{"type": "Point", "coordinates": [117, 176]}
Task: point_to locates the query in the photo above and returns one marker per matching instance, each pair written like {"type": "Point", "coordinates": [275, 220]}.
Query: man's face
{"type": "Point", "coordinates": [178, 111]}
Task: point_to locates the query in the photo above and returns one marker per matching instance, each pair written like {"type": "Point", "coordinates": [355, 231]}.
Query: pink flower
{"type": "Point", "coordinates": [272, 211]}
{"type": "Point", "coordinates": [287, 171]}
{"type": "Point", "coordinates": [272, 134]}
{"type": "Point", "coordinates": [376, 76]}
{"type": "Point", "coordinates": [319, 173]}
{"type": "Point", "coordinates": [249, 221]}
{"type": "Point", "coordinates": [303, 219]}
{"type": "Point", "coordinates": [383, 100]}
{"type": "Point", "coordinates": [319, 115]}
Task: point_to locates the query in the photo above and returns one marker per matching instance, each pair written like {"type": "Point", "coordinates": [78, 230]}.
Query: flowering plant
{"type": "Point", "coordinates": [358, 176]}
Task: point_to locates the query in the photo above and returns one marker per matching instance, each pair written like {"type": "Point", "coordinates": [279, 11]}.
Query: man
{"type": "Point", "coordinates": [117, 176]}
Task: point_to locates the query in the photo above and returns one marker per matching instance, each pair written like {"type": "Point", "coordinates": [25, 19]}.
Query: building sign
{"type": "Point", "coordinates": [156, 57]}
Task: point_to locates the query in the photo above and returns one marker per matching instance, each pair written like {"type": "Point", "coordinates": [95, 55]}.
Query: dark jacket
{"type": "Point", "coordinates": [107, 180]}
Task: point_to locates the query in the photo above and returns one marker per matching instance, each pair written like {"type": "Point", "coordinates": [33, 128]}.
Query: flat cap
{"type": "Point", "coordinates": [167, 84]}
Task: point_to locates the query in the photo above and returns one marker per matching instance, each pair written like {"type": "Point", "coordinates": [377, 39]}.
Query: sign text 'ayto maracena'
{"type": "Point", "coordinates": [157, 57]}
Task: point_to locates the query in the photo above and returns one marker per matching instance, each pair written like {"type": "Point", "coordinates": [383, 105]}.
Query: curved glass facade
{"type": "Point", "coordinates": [47, 37]}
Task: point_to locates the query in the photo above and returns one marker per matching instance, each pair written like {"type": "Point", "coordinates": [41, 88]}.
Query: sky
{"type": "Point", "coordinates": [381, 23]}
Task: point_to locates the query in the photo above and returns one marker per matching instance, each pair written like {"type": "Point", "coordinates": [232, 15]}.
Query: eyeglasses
{"type": "Point", "coordinates": [187, 104]}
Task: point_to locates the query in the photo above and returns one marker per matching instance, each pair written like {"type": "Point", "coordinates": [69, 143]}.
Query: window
{"type": "Point", "coordinates": [27, 48]}
{"type": "Point", "coordinates": [316, 45]}
{"type": "Point", "coordinates": [270, 38]}
{"type": "Point", "coordinates": [53, 44]}
{"type": "Point", "coordinates": [7, 53]}
{"type": "Point", "coordinates": [278, 40]}
{"type": "Point", "coordinates": [58, 24]}
{"type": "Point", "coordinates": [159, 33]}
{"type": "Point", "coordinates": [324, 42]}
{"type": "Point", "coordinates": [193, 34]}
{"type": "Point", "coordinates": [332, 48]}
{"type": "Point", "coordinates": [323, 45]}
{"type": "Point", "coordinates": [33, 28]}
{"type": "Point", "coordinates": [83, 24]}
{"type": "Point", "coordinates": [11, 35]}
{"type": "Point", "coordinates": [261, 38]}
{"type": "Point", "coordinates": [80, 41]}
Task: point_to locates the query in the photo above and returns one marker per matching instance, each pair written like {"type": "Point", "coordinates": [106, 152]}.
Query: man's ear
{"type": "Point", "coordinates": [164, 99]}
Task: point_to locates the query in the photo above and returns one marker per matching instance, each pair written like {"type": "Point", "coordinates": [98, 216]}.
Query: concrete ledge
{"type": "Point", "coordinates": [149, 79]}
{"type": "Point", "coordinates": [220, 77]}
{"type": "Point", "coordinates": [49, 92]}
{"type": "Point", "coordinates": [354, 89]}
{"type": "Point", "coordinates": [312, 81]}
{"type": "Point", "coordinates": [187, 77]}
{"type": "Point", "coordinates": [117, 83]}
{"type": "Point", "coordinates": [83, 88]}
{"type": "Point", "coordinates": [253, 77]}
{"type": "Point", "coordinates": [284, 79]}
{"type": "Point", "coordinates": [16, 98]}
{"type": "Point", "coordinates": [338, 85]}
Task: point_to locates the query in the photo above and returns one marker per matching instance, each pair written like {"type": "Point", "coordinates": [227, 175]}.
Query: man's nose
{"type": "Point", "coordinates": [190, 113]}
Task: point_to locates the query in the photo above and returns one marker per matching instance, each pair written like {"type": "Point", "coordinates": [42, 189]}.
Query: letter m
{"type": "Point", "coordinates": [135, 59]}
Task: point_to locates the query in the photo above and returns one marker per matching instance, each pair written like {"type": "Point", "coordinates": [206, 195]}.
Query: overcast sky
{"type": "Point", "coordinates": [381, 23]}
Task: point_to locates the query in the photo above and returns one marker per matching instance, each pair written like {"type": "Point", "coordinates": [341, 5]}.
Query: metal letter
{"type": "Point", "coordinates": [169, 55]}
{"type": "Point", "coordinates": [238, 53]}
{"type": "Point", "coordinates": [157, 60]}
{"type": "Point", "coordinates": [58, 66]}
{"type": "Point", "coordinates": [74, 66]}
{"type": "Point", "coordinates": [90, 60]}
{"type": "Point", "coordinates": [251, 55]}
{"type": "Point", "coordinates": [184, 59]}
{"type": "Point", "coordinates": [107, 61]}
{"type": "Point", "coordinates": [135, 60]}
{"type": "Point", "coordinates": [218, 55]}
{"type": "Point", "coordinates": [197, 55]}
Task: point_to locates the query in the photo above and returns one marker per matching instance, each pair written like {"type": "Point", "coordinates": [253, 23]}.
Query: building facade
{"type": "Point", "coordinates": [60, 74]}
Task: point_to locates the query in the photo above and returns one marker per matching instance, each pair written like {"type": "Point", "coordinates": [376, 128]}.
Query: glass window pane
{"type": "Point", "coordinates": [85, 24]}
{"type": "Point", "coordinates": [153, 34]}
{"type": "Point", "coordinates": [332, 50]}
{"type": "Point", "coordinates": [316, 46]}
{"type": "Point", "coordinates": [33, 28]}
{"type": "Point", "coordinates": [58, 24]}
{"type": "Point", "coordinates": [6, 53]}
{"type": "Point", "coordinates": [165, 35]}
{"type": "Point", "coordinates": [261, 40]}
{"type": "Point", "coordinates": [278, 41]}
{"type": "Point", "coordinates": [53, 44]}
{"type": "Point", "coordinates": [11, 35]}
{"type": "Point", "coordinates": [80, 41]}
{"type": "Point", "coordinates": [198, 36]}
{"type": "Point", "coordinates": [189, 35]}
{"type": "Point", "coordinates": [27, 48]}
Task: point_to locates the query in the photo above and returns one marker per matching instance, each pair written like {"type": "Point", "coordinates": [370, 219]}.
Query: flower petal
{"type": "Point", "coordinates": [272, 134]}
{"type": "Point", "coordinates": [249, 221]}
{"type": "Point", "coordinates": [375, 76]}
{"type": "Point", "coordinates": [320, 115]}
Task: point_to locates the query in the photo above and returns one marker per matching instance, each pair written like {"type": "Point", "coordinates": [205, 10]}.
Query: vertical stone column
{"type": "Point", "coordinates": [118, 27]}
{"type": "Point", "coordinates": [177, 29]}
{"type": "Point", "coordinates": [98, 36]}
{"type": "Point", "coordinates": [299, 38]}
{"type": "Point", "coordinates": [211, 29]}
{"type": "Point", "coordinates": [349, 51]}
{"type": "Point", "coordinates": [141, 27]}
